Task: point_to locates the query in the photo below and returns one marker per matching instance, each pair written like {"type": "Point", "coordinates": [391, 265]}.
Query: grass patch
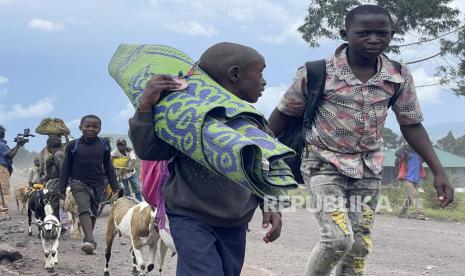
{"type": "Point", "coordinates": [454, 212]}
{"type": "Point", "coordinates": [446, 215]}
{"type": "Point", "coordinates": [394, 193]}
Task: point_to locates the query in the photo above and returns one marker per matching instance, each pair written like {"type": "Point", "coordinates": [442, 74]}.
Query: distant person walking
{"type": "Point", "coordinates": [410, 172]}
{"type": "Point", "coordinates": [33, 175]}
{"type": "Point", "coordinates": [124, 161]}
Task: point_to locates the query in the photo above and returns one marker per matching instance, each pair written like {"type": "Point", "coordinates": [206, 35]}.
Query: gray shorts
{"type": "Point", "coordinates": [87, 197]}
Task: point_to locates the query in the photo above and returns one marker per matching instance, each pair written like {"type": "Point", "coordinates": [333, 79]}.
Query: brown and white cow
{"type": "Point", "coordinates": [136, 221]}
{"type": "Point", "coordinates": [22, 196]}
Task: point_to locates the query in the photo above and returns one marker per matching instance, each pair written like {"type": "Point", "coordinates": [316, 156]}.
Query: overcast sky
{"type": "Point", "coordinates": [54, 54]}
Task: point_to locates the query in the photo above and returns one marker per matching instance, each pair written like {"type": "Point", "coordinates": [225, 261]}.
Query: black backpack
{"type": "Point", "coordinates": [293, 135]}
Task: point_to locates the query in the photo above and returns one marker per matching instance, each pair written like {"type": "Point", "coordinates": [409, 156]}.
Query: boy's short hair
{"type": "Point", "coordinates": [366, 9]}
{"type": "Point", "coordinates": [90, 116]}
{"type": "Point", "coordinates": [217, 59]}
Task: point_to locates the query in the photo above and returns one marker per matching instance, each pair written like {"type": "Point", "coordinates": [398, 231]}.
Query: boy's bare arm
{"type": "Point", "coordinates": [277, 121]}
{"type": "Point", "coordinates": [418, 139]}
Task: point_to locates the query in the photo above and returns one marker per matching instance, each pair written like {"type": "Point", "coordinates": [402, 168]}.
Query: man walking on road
{"type": "Point", "coordinates": [410, 172]}
{"type": "Point", "coordinates": [125, 155]}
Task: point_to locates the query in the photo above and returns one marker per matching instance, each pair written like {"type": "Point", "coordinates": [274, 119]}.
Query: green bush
{"type": "Point", "coordinates": [454, 212]}
{"type": "Point", "coordinates": [395, 195]}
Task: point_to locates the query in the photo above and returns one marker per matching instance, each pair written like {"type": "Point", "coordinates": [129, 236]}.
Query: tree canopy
{"type": "Point", "coordinates": [451, 144]}
{"type": "Point", "coordinates": [391, 139]}
{"type": "Point", "coordinates": [433, 21]}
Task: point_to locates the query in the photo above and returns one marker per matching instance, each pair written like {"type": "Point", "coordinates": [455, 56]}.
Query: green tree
{"type": "Point", "coordinates": [433, 21]}
{"type": "Point", "coordinates": [447, 143]}
{"type": "Point", "coordinates": [391, 139]}
{"type": "Point", "coordinates": [459, 147]}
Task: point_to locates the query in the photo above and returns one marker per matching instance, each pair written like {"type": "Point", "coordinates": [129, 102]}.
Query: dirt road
{"type": "Point", "coordinates": [401, 247]}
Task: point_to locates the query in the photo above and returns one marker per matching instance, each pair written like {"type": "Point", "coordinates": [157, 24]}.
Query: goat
{"type": "Point", "coordinates": [49, 232]}
{"type": "Point", "coordinates": [70, 206]}
{"type": "Point", "coordinates": [22, 196]}
{"type": "Point", "coordinates": [136, 220]}
{"type": "Point", "coordinates": [36, 204]}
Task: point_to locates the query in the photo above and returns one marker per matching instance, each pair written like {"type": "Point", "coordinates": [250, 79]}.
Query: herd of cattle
{"type": "Point", "coordinates": [128, 217]}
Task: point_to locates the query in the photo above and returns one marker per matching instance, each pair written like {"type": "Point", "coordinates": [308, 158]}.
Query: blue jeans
{"type": "Point", "coordinates": [207, 250]}
{"type": "Point", "coordinates": [135, 187]}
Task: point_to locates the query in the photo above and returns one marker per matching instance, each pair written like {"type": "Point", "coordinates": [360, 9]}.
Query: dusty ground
{"type": "Point", "coordinates": [402, 247]}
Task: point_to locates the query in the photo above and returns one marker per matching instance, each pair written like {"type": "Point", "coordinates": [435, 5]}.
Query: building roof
{"type": "Point", "coordinates": [448, 160]}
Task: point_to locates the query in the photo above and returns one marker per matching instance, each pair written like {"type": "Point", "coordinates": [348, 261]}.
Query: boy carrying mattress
{"type": "Point", "coordinates": [208, 214]}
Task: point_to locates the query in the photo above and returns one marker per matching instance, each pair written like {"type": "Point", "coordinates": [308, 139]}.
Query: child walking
{"type": "Point", "coordinates": [208, 214]}
{"type": "Point", "coordinates": [87, 163]}
{"type": "Point", "coordinates": [342, 157]}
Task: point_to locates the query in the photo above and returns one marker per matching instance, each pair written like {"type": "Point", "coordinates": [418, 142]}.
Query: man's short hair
{"type": "Point", "coordinates": [217, 59]}
{"type": "Point", "coordinates": [54, 142]}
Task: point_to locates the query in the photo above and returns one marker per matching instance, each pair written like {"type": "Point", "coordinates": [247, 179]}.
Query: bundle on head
{"type": "Point", "coordinates": [52, 126]}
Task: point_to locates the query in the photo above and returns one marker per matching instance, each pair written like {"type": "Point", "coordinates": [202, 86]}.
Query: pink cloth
{"type": "Point", "coordinates": [153, 176]}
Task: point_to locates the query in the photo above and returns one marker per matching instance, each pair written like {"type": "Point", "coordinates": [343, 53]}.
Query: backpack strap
{"type": "Point", "coordinates": [394, 97]}
{"type": "Point", "coordinates": [104, 144]}
{"type": "Point", "coordinates": [316, 77]}
{"type": "Point", "coordinates": [74, 149]}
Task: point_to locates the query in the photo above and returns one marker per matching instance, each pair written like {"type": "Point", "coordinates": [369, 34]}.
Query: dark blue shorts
{"type": "Point", "coordinates": [87, 197]}
{"type": "Point", "coordinates": [207, 250]}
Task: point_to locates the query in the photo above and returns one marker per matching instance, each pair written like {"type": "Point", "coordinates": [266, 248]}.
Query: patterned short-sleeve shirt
{"type": "Point", "coordinates": [347, 130]}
